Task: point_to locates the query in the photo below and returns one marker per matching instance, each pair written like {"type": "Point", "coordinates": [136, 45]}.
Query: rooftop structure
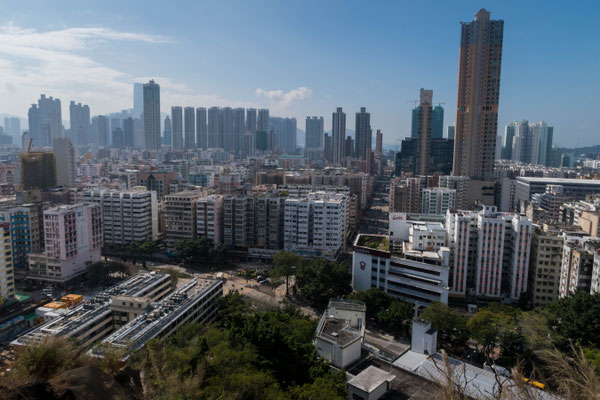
{"type": "Point", "coordinates": [193, 302]}
{"type": "Point", "coordinates": [340, 332]}
{"type": "Point", "coordinates": [92, 319]}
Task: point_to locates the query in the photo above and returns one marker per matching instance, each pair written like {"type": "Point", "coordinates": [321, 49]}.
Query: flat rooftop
{"type": "Point", "coordinates": [158, 315]}
{"type": "Point", "coordinates": [558, 181]}
{"type": "Point", "coordinates": [371, 378]}
{"type": "Point", "coordinates": [337, 330]}
{"type": "Point", "coordinates": [90, 310]}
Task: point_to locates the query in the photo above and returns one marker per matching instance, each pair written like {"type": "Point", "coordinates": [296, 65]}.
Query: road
{"type": "Point", "coordinates": [375, 217]}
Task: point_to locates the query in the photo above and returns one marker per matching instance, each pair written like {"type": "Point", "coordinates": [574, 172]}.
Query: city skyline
{"type": "Point", "coordinates": [89, 44]}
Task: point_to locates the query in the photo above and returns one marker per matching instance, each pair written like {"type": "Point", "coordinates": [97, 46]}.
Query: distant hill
{"type": "Point", "coordinates": [583, 150]}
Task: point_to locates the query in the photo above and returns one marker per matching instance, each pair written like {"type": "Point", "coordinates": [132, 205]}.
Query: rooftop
{"type": "Point", "coordinates": [370, 379]}
{"type": "Point", "coordinates": [559, 181]}
{"type": "Point", "coordinates": [375, 242]}
{"type": "Point", "coordinates": [337, 330]}
{"type": "Point", "coordinates": [158, 316]}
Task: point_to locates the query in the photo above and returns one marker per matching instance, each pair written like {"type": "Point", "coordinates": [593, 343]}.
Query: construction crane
{"type": "Point", "coordinates": [29, 147]}
{"type": "Point", "coordinates": [440, 103]}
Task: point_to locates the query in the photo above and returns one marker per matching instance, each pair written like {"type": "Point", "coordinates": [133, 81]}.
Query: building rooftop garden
{"type": "Point", "coordinates": [374, 242]}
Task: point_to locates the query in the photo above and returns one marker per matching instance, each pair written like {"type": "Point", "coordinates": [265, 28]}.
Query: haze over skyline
{"type": "Point", "coordinates": [301, 59]}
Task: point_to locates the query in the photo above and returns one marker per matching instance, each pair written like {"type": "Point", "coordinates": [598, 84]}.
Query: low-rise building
{"type": "Point", "coordinates": [94, 319]}
{"type": "Point", "coordinates": [340, 332]}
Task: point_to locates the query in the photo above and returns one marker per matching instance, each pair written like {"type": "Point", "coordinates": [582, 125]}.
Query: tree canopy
{"type": "Point", "coordinates": [320, 280]}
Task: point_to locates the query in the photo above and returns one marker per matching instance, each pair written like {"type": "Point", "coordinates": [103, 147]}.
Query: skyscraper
{"type": "Point", "coordinates": [251, 120]}
{"type": "Point", "coordinates": [363, 134]}
{"type": "Point", "coordinates": [65, 162]}
{"type": "Point", "coordinates": [214, 133]}
{"type": "Point", "coordinates": [12, 126]}
{"type": "Point", "coordinates": [338, 132]}
{"type": "Point", "coordinates": [177, 128]}
{"type": "Point", "coordinates": [424, 126]}
{"type": "Point", "coordinates": [546, 133]}
{"type": "Point", "coordinates": [167, 132]}
{"type": "Point", "coordinates": [152, 115]}
{"type": "Point", "coordinates": [201, 128]}
{"type": "Point", "coordinates": [128, 140]}
{"type": "Point", "coordinates": [100, 130]}
{"type": "Point", "coordinates": [138, 100]}
{"type": "Point", "coordinates": [239, 127]}
{"type": "Point", "coordinates": [45, 121]}
{"type": "Point", "coordinates": [262, 121]}
{"type": "Point", "coordinates": [314, 132]}
{"type": "Point", "coordinates": [437, 122]}
{"type": "Point", "coordinates": [190, 127]}
{"type": "Point", "coordinates": [379, 143]}
{"type": "Point", "coordinates": [451, 131]}
{"type": "Point", "coordinates": [226, 125]}
{"type": "Point", "coordinates": [80, 123]}
{"type": "Point", "coordinates": [509, 134]}
{"type": "Point", "coordinates": [478, 96]}
{"type": "Point", "coordinates": [38, 170]}
{"type": "Point", "coordinates": [117, 138]}
{"type": "Point", "coordinates": [285, 133]}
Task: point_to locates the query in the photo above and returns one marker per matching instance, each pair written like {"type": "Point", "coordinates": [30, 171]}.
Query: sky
{"type": "Point", "coordinates": [301, 58]}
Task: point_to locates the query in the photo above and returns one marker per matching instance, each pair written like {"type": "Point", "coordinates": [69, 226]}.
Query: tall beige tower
{"type": "Point", "coordinates": [478, 95]}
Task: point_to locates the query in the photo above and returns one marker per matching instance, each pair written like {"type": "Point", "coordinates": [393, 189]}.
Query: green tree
{"type": "Point", "coordinates": [576, 318]}
{"type": "Point", "coordinates": [490, 328]}
{"type": "Point", "coordinates": [395, 316]}
{"type": "Point", "coordinates": [284, 263]}
{"type": "Point", "coordinates": [375, 299]}
{"type": "Point", "coordinates": [320, 280]}
{"type": "Point", "coordinates": [450, 325]}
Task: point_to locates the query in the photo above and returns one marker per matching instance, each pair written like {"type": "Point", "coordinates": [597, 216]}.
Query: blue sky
{"type": "Point", "coordinates": [301, 58]}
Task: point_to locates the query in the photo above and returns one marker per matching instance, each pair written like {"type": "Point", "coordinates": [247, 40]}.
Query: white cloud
{"type": "Point", "coordinates": [282, 99]}
{"type": "Point", "coordinates": [61, 63]}
{"type": "Point", "coordinates": [57, 63]}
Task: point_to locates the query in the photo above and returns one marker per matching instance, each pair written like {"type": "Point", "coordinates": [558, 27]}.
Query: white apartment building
{"type": "Point", "coordinates": [7, 279]}
{"type": "Point", "coordinates": [490, 253]}
{"type": "Point", "coordinates": [127, 216]}
{"type": "Point", "coordinates": [400, 268]}
{"type": "Point", "coordinates": [316, 225]}
{"type": "Point", "coordinates": [209, 218]}
{"type": "Point", "coordinates": [73, 239]}
{"type": "Point", "coordinates": [180, 216]}
{"type": "Point", "coordinates": [438, 200]}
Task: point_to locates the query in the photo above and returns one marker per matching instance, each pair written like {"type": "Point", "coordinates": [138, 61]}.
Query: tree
{"type": "Point", "coordinates": [320, 280]}
{"type": "Point", "coordinates": [284, 263]}
{"type": "Point", "coordinates": [449, 324]}
{"type": "Point", "coordinates": [491, 328]}
{"type": "Point", "coordinates": [577, 318]}
{"type": "Point", "coordinates": [375, 299]}
{"type": "Point", "coordinates": [395, 315]}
